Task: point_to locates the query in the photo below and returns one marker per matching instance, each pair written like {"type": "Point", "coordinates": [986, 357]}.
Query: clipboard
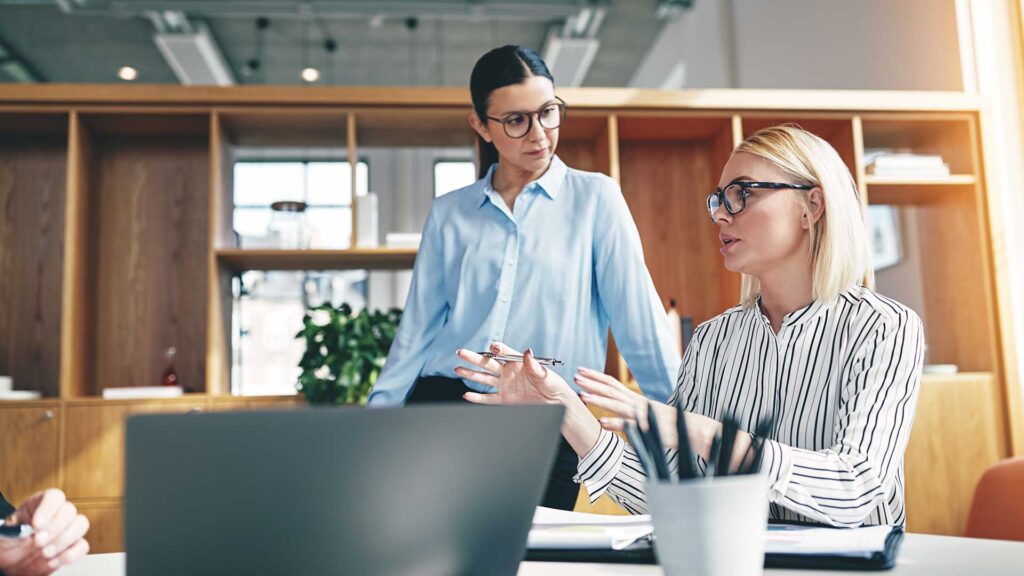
{"type": "Point", "coordinates": [642, 552]}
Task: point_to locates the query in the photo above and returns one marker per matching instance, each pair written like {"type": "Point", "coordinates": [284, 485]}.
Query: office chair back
{"type": "Point", "coordinates": [998, 509]}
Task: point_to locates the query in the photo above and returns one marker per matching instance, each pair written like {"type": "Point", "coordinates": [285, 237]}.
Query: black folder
{"type": "Point", "coordinates": [642, 552]}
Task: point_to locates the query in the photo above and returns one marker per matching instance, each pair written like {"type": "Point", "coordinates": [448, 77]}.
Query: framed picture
{"type": "Point", "coordinates": [884, 228]}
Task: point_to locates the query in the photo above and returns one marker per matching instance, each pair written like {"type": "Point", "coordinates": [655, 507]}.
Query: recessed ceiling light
{"type": "Point", "coordinates": [127, 73]}
{"type": "Point", "coordinates": [310, 74]}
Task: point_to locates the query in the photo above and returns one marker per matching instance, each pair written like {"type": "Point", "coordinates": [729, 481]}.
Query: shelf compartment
{"type": "Point", "coordinates": [141, 259]}
{"type": "Point", "coordinates": [836, 129]}
{"type": "Point", "coordinates": [354, 259]}
{"type": "Point", "coordinates": [276, 127]}
{"type": "Point", "coordinates": [950, 135]}
{"type": "Point", "coordinates": [410, 127]}
{"type": "Point", "coordinates": [33, 180]}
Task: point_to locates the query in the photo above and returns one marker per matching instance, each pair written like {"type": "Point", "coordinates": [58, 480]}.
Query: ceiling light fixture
{"type": "Point", "coordinates": [127, 73]}
{"type": "Point", "coordinates": [310, 74]}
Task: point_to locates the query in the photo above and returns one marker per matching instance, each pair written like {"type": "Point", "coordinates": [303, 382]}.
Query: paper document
{"type": "Point", "coordinates": [786, 539]}
{"type": "Point", "coordinates": [577, 530]}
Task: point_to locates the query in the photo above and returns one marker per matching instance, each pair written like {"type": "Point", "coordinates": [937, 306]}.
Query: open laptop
{"type": "Point", "coordinates": [442, 489]}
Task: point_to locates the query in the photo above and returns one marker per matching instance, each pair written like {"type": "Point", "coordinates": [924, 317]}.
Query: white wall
{"type": "Point", "coordinates": [830, 44]}
{"type": "Point", "coordinates": [843, 44]}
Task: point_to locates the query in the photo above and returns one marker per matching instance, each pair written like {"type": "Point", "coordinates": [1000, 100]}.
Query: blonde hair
{"type": "Point", "coordinates": [840, 252]}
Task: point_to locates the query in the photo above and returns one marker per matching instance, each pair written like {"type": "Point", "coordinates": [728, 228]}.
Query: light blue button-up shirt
{"type": "Point", "coordinates": [552, 274]}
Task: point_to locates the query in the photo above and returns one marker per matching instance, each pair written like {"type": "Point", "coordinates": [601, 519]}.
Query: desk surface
{"type": "Point", "coordinates": [919, 555]}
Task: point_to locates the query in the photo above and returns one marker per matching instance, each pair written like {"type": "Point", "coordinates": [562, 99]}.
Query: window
{"type": "Point", "coordinates": [269, 305]}
{"type": "Point", "coordinates": [452, 174]}
{"type": "Point", "coordinates": [325, 187]}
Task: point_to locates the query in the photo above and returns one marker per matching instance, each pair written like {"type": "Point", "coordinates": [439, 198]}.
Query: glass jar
{"type": "Point", "coordinates": [289, 225]}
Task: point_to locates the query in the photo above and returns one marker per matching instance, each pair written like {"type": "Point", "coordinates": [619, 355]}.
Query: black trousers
{"type": "Point", "coordinates": [561, 492]}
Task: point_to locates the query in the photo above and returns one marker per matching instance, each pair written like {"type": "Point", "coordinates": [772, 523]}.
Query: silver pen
{"type": "Point", "coordinates": [15, 531]}
{"type": "Point", "coordinates": [518, 358]}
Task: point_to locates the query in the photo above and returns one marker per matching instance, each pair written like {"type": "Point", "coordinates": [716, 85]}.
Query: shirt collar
{"type": "Point", "coordinates": [550, 182]}
{"type": "Point", "coordinates": [796, 317]}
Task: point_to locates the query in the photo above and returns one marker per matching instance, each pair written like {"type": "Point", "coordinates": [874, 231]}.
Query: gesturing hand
{"type": "Point", "coordinates": [526, 382]}
{"type": "Point", "coordinates": [58, 537]}
{"type": "Point", "coordinates": [604, 391]}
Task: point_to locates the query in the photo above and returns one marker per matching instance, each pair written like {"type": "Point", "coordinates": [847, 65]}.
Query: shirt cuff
{"type": "Point", "coordinates": [597, 469]}
{"type": "Point", "coordinates": [777, 463]}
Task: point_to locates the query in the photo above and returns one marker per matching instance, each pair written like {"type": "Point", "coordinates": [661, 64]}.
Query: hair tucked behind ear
{"type": "Point", "coordinates": [505, 66]}
{"type": "Point", "coordinates": [840, 251]}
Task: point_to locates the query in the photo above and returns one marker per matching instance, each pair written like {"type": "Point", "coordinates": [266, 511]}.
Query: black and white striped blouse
{"type": "Point", "coordinates": [841, 379]}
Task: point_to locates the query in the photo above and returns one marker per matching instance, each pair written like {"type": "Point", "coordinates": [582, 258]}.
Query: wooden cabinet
{"type": "Point", "coordinates": [94, 452]}
{"type": "Point", "coordinates": [90, 435]}
{"type": "Point", "coordinates": [106, 526]}
{"type": "Point", "coordinates": [29, 449]}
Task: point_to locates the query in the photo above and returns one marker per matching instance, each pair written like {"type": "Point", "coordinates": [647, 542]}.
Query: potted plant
{"type": "Point", "coordinates": [344, 352]}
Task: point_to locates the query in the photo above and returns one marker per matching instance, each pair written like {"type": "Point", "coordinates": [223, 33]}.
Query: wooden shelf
{"type": "Point", "coordinates": [911, 191]}
{"type": "Point", "coordinates": [951, 180]}
{"type": "Point", "coordinates": [959, 377]}
{"type": "Point", "coordinates": [354, 259]}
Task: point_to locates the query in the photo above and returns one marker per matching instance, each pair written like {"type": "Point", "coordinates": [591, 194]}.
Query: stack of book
{"type": "Point", "coordinates": [905, 165]}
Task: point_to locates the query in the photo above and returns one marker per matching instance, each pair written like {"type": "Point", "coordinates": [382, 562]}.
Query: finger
{"type": "Point", "coordinates": [481, 377]}
{"type": "Point", "coordinates": [75, 552]}
{"type": "Point", "coordinates": [60, 523]}
{"type": "Point", "coordinates": [41, 565]}
{"type": "Point", "coordinates": [613, 424]}
{"type": "Point", "coordinates": [43, 508]}
{"type": "Point", "coordinates": [489, 364]}
{"type": "Point", "coordinates": [603, 389]}
{"type": "Point", "coordinates": [73, 533]}
{"type": "Point", "coordinates": [613, 406]}
{"type": "Point", "coordinates": [533, 367]}
{"type": "Point", "coordinates": [478, 398]}
{"type": "Point", "coordinates": [501, 348]}
{"type": "Point", "coordinates": [605, 379]}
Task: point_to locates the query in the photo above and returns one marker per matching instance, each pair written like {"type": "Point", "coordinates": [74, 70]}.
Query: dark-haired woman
{"type": "Point", "coordinates": [533, 252]}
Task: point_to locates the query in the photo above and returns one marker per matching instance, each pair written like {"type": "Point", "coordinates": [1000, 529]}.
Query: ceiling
{"type": "Point", "coordinates": [89, 40]}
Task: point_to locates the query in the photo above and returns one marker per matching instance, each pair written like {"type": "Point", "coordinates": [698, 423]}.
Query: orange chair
{"type": "Point", "coordinates": [998, 508]}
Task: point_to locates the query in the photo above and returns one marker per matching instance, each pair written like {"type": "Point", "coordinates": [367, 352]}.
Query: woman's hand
{"type": "Point", "coordinates": [526, 382]}
{"type": "Point", "coordinates": [58, 538]}
{"type": "Point", "coordinates": [604, 391]}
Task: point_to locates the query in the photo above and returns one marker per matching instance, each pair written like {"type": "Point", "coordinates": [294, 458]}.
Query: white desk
{"type": "Point", "coordinates": [920, 555]}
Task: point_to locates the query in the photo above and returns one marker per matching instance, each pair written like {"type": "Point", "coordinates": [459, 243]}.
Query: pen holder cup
{"type": "Point", "coordinates": [710, 527]}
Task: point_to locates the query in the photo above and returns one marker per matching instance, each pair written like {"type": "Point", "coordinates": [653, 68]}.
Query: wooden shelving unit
{"type": "Point", "coordinates": [116, 241]}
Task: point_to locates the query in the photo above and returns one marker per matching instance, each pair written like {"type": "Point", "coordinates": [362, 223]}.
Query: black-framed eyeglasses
{"type": "Point", "coordinates": [734, 196]}
{"type": "Point", "coordinates": [519, 124]}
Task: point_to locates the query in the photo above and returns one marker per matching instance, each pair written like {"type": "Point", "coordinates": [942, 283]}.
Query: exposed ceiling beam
{"type": "Point", "coordinates": [570, 51]}
{"type": "Point", "coordinates": [521, 10]}
{"type": "Point", "coordinates": [190, 50]}
{"type": "Point", "coordinates": [16, 67]}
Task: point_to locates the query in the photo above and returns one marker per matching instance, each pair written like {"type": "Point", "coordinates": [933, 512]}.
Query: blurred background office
{"type": "Point", "coordinates": [301, 193]}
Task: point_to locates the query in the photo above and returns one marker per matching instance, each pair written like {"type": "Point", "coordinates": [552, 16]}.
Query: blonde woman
{"type": "Point", "coordinates": [838, 365]}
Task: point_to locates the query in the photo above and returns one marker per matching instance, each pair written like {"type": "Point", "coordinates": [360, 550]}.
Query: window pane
{"type": "Point", "coordinates": [329, 183]}
{"type": "Point", "coordinates": [261, 183]}
{"type": "Point", "coordinates": [267, 313]}
{"type": "Point", "coordinates": [452, 175]}
{"type": "Point", "coordinates": [324, 186]}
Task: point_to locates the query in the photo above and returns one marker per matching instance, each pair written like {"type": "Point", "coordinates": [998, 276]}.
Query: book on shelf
{"type": "Point", "coordinates": [905, 164]}
{"type": "Point", "coordinates": [135, 392]}
{"type": "Point", "coordinates": [402, 239]}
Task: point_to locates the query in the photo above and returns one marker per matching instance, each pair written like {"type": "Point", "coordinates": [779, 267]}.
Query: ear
{"type": "Point", "coordinates": [816, 206]}
{"type": "Point", "coordinates": [479, 127]}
